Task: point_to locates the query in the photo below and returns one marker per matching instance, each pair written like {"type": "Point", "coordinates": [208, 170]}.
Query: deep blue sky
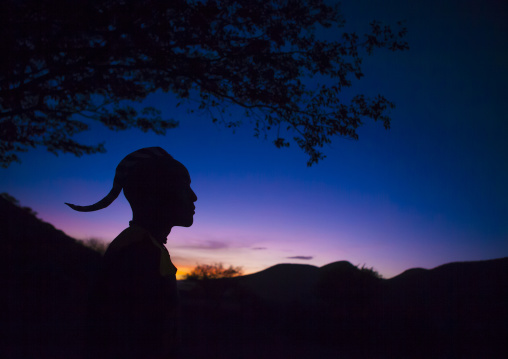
{"type": "Point", "coordinates": [430, 190]}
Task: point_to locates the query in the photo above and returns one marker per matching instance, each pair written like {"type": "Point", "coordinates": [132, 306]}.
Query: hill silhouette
{"type": "Point", "coordinates": [457, 310]}
{"type": "Point", "coordinates": [47, 278]}
{"type": "Point", "coordinates": [464, 303]}
{"type": "Point", "coordinates": [281, 283]}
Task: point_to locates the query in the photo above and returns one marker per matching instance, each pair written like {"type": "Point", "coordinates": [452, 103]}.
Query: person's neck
{"type": "Point", "coordinates": [160, 233]}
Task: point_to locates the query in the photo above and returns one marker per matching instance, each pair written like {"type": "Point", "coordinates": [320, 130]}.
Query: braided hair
{"type": "Point", "coordinates": [128, 174]}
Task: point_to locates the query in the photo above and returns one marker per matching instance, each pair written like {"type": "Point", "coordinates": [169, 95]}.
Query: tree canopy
{"type": "Point", "coordinates": [213, 271]}
{"type": "Point", "coordinates": [64, 62]}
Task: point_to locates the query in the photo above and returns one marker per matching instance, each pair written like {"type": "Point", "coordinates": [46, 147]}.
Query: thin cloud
{"type": "Point", "coordinates": [258, 248]}
{"type": "Point", "coordinates": [210, 244]}
{"type": "Point", "coordinates": [301, 257]}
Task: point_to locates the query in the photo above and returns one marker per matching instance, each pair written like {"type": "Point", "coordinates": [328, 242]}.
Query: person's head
{"type": "Point", "coordinates": [156, 186]}
{"type": "Point", "coordinates": [159, 191]}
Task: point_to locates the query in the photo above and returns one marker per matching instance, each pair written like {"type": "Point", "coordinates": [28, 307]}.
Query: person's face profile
{"type": "Point", "coordinates": [176, 199]}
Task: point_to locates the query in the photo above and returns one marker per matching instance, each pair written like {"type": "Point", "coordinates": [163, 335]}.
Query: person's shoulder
{"type": "Point", "coordinates": [131, 237]}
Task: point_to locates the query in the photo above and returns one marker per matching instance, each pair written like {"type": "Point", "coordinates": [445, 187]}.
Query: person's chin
{"type": "Point", "coordinates": [186, 223]}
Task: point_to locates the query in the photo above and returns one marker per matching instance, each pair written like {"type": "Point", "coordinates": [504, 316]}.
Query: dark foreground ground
{"type": "Point", "coordinates": [458, 310]}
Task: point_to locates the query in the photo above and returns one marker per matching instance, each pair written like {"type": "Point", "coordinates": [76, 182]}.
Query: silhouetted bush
{"type": "Point", "coordinates": [15, 202]}
{"type": "Point", "coordinates": [95, 244]}
{"type": "Point", "coordinates": [213, 271]}
{"type": "Point", "coordinates": [369, 271]}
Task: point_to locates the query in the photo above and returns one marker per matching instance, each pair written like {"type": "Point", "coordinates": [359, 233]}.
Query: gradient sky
{"type": "Point", "coordinates": [431, 190]}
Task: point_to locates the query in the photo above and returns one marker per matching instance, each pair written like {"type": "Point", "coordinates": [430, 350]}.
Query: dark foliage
{"type": "Point", "coordinates": [213, 271]}
{"type": "Point", "coordinates": [96, 244]}
{"type": "Point", "coordinates": [67, 61]}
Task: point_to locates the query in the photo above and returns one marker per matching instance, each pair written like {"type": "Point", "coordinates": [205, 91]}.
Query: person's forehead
{"type": "Point", "coordinates": [174, 171]}
{"type": "Point", "coordinates": [182, 171]}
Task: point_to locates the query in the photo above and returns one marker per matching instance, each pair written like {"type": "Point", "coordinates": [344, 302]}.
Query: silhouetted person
{"type": "Point", "coordinates": [133, 311]}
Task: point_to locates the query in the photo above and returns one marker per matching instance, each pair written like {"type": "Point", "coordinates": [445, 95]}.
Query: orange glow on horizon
{"type": "Point", "coordinates": [183, 270]}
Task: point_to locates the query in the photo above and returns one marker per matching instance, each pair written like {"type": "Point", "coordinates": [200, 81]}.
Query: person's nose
{"type": "Point", "coordinates": [194, 197]}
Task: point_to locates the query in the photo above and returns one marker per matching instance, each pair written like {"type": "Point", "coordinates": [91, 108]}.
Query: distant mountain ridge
{"type": "Point", "coordinates": [456, 310]}
{"type": "Point", "coordinates": [284, 282]}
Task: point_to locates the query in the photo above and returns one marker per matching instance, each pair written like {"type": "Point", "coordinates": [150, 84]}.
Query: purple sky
{"type": "Point", "coordinates": [429, 191]}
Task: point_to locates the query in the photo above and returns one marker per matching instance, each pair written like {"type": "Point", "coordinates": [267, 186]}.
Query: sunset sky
{"type": "Point", "coordinates": [431, 190]}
